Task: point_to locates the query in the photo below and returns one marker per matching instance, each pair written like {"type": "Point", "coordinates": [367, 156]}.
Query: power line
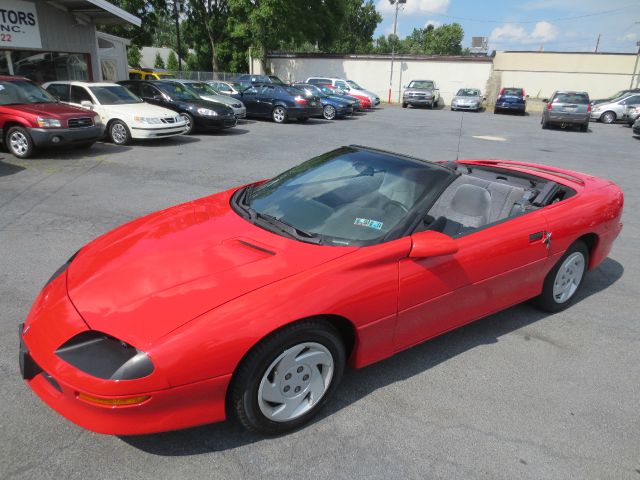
{"type": "Point", "coordinates": [561, 19]}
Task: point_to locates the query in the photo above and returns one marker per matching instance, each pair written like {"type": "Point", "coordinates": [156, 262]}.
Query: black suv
{"type": "Point", "coordinates": [199, 113]}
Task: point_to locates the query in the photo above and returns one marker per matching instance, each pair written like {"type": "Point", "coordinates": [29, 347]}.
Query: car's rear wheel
{"type": "Point", "coordinates": [19, 142]}
{"type": "Point", "coordinates": [119, 132]}
{"type": "Point", "coordinates": [279, 114]}
{"type": "Point", "coordinates": [565, 279]}
{"type": "Point", "coordinates": [608, 117]}
{"type": "Point", "coordinates": [329, 112]}
{"type": "Point", "coordinates": [544, 123]}
{"type": "Point", "coordinates": [284, 380]}
{"type": "Point", "coordinates": [404, 105]}
{"type": "Point", "coordinates": [584, 127]}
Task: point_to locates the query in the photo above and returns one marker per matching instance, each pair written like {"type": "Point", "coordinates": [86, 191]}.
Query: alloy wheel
{"type": "Point", "coordinates": [568, 277]}
{"type": "Point", "coordinates": [329, 112]}
{"type": "Point", "coordinates": [295, 381]}
{"type": "Point", "coordinates": [19, 143]}
{"type": "Point", "coordinates": [279, 114]}
{"type": "Point", "coordinates": [119, 133]}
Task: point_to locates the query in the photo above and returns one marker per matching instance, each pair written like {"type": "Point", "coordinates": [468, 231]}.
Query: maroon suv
{"type": "Point", "coordinates": [31, 118]}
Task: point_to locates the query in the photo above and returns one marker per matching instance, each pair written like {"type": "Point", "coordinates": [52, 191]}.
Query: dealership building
{"type": "Point", "coordinates": [47, 40]}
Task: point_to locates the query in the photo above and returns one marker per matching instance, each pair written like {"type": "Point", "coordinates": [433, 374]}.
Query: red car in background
{"type": "Point", "coordinates": [251, 302]}
{"type": "Point", "coordinates": [31, 118]}
{"type": "Point", "coordinates": [365, 102]}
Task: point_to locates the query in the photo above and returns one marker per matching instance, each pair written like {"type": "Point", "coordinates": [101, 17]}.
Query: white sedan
{"type": "Point", "coordinates": [125, 115]}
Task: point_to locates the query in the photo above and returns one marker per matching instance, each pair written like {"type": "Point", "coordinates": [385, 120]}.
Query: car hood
{"type": "Point", "coordinates": [467, 98]}
{"type": "Point", "coordinates": [53, 110]}
{"type": "Point", "coordinates": [138, 109]}
{"type": "Point", "coordinates": [148, 277]}
{"type": "Point", "coordinates": [419, 90]}
{"type": "Point", "coordinates": [223, 99]}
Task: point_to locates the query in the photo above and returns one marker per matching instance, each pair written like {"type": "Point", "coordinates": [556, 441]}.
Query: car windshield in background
{"type": "Point", "coordinates": [114, 95]}
{"type": "Point", "coordinates": [310, 89]}
{"type": "Point", "coordinates": [23, 91]}
{"type": "Point", "coordinates": [202, 88]}
{"type": "Point", "coordinates": [420, 84]}
{"type": "Point", "coordinates": [276, 80]}
{"type": "Point", "coordinates": [468, 92]}
{"type": "Point", "coordinates": [348, 196]}
{"type": "Point", "coordinates": [353, 84]}
{"type": "Point", "coordinates": [177, 91]}
{"type": "Point", "coordinates": [579, 98]}
{"type": "Point", "coordinates": [326, 90]}
{"type": "Point", "coordinates": [512, 92]}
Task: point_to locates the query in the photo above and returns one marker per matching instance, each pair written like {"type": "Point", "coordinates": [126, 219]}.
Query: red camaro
{"type": "Point", "coordinates": [251, 302]}
{"type": "Point", "coordinates": [365, 102]}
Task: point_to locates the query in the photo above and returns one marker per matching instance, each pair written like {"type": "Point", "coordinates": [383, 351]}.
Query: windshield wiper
{"type": "Point", "coordinates": [282, 226]}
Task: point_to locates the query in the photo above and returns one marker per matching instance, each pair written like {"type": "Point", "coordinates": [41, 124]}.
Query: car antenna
{"type": "Point", "coordinates": [459, 136]}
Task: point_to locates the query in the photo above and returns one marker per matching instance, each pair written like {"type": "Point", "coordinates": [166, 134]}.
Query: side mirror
{"type": "Point", "coordinates": [545, 100]}
{"type": "Point", "coordinates": [86, 104]}
{"type": "Point", "coordinates": [431, 244]}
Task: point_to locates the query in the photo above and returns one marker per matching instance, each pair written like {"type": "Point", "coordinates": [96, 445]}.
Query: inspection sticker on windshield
{"type": "Point", "coordinates": [365, 222]}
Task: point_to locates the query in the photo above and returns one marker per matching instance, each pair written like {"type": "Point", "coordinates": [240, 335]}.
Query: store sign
{"type": "Point", "coordinates": [19, 25]}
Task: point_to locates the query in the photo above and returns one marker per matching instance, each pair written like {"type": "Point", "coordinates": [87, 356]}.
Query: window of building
{"type": "Point", "coordinates": [44, 67]}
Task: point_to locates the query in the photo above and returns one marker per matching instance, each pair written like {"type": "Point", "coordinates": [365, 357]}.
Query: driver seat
{"type": "Point", "coordinates": [469, 209]}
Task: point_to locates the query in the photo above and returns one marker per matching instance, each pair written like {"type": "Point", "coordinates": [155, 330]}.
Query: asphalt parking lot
{"type": "Point", "coordinates": [521, 394]}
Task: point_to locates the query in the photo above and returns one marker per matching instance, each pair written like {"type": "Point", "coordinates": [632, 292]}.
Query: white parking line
{"type": "Point", "coordinates": [490, 138]}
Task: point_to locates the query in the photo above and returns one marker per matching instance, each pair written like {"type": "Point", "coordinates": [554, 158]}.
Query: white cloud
{"type": "Point", "coordinates": [512, 33]}
{"type": "Point", "coordinates": [416, 6]}
{"type": "Point", "coordinates": [629, 37]}
{"type": "Point", "coordinates": [435, 23]}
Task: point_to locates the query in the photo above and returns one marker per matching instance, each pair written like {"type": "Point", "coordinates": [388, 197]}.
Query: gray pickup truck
{"type": "Point", "coordinates": [421, 92]}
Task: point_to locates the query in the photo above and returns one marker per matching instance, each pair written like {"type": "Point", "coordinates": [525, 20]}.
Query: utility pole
{"type": "Point", "coordinates": [393, 48]}
{"type": "Point", "coordinates": [177, 7]}
{"type": "Point", "coordinates": [597, 43]}
{"type": "Point", "coordinates": [635, 67]}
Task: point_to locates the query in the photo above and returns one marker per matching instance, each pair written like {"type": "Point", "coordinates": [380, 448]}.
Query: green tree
{"type": "Point", "coordinates": [158, 62]}
{"type": "Point", "coordinates": [147, 11]}
{"type": "Point", "coordinates": [172, 62]}
{"type": "Point", "coordinates": [211, 16]}
{"type": "Point", "coordinates": [356, 35]}
{"type": "Point", "coordinates": [133, 55]}
{"type": "Point", "coordinates": [443, 40]}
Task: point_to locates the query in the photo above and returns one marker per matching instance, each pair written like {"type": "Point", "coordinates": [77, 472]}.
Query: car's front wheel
{"type": "Point", "coordinates": [19, 142]}
{"type": "Point", "coordinates": [285, 379]}
{"type": "Point", "coordinates": [608, 117]}
{"type": "Point", "coordinates": [189, 123]}
{"type": "Point", "coordinates": [329, 112]}
{"type": "Point", "coordinates": [119, 132]}
{"type": "Point", "coordinates": [564, 279]}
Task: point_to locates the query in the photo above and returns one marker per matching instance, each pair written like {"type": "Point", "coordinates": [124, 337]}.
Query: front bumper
{"type": "Point", "coordinates": [157, 131]}
{"type": "Point", "coordinates": [240, 112]}
{"type": "Point", "coordinates": [466, 106]}
{"type": "Point", "coordinates": [52, 320]}
{"type": "Point", "coordinates": [49, 137]}
{"type": "Point", "coordinates": [217, 122]}
{"type": "Point", "coordinates": [418, 100]}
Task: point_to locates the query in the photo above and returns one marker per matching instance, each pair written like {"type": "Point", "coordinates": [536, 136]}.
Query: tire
{"type": "Point", "coordinates": [544, 124]}
{"type": "Point", "coordinates": [329, 112]}
{"type": "Point", "coordinates": [453, 109]}
{"type": "Point", "coordinates": [191, 124]}
{"type": "Point", "coordinates": [119, 133]}
{"type": "Point", "coordinates": [608, 117]}
{"type": "Point", "coordinates": [564, 279]}
{"type": "Point", "coordinates": [404, 105]}
{"type": "Point", "coordinates": [584, 127]}
{"type": "Point", "coordinates": [279, 114]}
{"type": "Point", "coordinates": [495, 110]}
{"type": "Point", "coordinates": [19, 142]}
{"type": "Point", "coordinates": [266, 401]}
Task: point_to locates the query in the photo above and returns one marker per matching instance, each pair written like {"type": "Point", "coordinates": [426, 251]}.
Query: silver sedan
{"type": "Point", "coordinates": [467, 99]}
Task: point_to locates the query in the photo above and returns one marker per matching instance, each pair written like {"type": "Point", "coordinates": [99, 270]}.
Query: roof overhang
{"type": "Point", "coordinates": [98, 11]}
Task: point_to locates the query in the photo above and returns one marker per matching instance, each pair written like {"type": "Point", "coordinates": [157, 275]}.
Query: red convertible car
{"type": "Point", "coordinates": [250, 303]}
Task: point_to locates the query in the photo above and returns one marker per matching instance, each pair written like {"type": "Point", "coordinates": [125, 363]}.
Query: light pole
{"type": "Point", "coordinates": [635, 67]}
{"type": "Point", "coordinates": [393, 48]}
{"type": "Point", "coordinates": [177, 7]}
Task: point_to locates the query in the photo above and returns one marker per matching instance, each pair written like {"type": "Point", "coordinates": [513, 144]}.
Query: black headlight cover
{"type": "Point", "coordinates": [61, 269]}
{"type": "Point", "coordinates": [104, 356]}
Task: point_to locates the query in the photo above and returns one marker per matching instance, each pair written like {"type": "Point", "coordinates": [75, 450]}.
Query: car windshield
{"type": "Point", "coordinates": [310, 89]}
{"type": "Point", "coordinates": [353, 84]}
{"type": "Point", "coordinates": [579, 98]}
{"type": "Point", "coordinates": [512, 92]}
{"type": "Point", "coordinates": [114, 95]}
{"type": "Point", "coordinates": [23, 91]}
{"type": "Point", "coordinates": [468, 92]}
{"type": "Point", "coordinates": [177, 91]}
{"type": "Point", "coordinates": [202, 88]}
{"type": "Point", "coordinates": [275, 79]}
{"type": "Point", "coordinates": [348, 196]}
{"type": "Point", "coordinates": [421, 84]}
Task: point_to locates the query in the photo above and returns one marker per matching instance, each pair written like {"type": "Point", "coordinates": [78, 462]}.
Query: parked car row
{"type": "Point", "coordinates": [80, 113]}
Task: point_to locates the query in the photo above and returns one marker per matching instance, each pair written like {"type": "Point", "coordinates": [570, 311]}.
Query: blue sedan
{"type": "Point", "coordinates": [333, 106]}
{"type": "Point", "coordinates": [279, 102]}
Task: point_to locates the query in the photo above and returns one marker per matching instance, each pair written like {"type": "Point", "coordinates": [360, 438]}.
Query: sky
{"type": "Point", "coordinates": [526, 24]}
